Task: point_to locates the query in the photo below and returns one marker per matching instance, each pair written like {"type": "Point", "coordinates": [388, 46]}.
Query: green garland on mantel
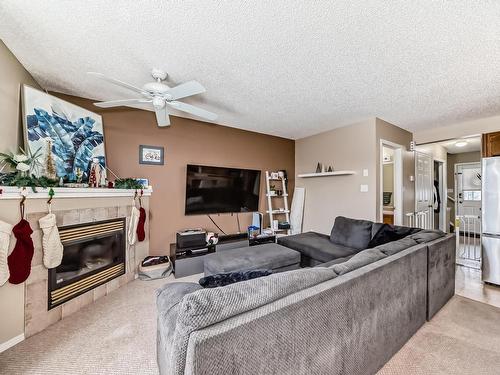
{"type": "Point", "coordinates": [128, 183]}
{"type": "Point", "coordinates": [15, 179]}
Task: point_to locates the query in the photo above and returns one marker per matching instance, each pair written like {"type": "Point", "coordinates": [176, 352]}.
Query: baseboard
{"type": "Point", "coordinates": [10, 343]}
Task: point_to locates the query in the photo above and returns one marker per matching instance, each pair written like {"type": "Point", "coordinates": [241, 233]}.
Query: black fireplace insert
{"type": "Point", "coordinates": [94, 253]}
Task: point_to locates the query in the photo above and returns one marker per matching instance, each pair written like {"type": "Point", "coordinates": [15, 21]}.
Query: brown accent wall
{"type": "Point", "coordinates": [186, 141]}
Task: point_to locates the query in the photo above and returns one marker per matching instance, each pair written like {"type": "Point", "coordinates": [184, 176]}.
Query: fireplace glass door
{"type": "Point", "coordinates": [94, 253]}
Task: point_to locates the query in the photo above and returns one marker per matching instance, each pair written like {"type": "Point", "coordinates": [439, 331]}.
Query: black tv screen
{"type": "Point", "coordinates": [211, 190]}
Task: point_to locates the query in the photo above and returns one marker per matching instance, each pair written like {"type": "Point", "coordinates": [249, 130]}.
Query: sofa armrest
{"type": "Point", "coordinates": [168, 295]}
{"type": "Point", "coordinates": [440, 273]}
{"type": "Point", "coordinates": [168, 299]}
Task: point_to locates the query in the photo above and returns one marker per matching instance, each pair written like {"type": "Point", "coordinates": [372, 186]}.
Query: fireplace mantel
{"type": "Point", "coordinates": [12, 192]}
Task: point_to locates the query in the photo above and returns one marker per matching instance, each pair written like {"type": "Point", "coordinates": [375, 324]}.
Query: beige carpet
{"type": "Point", "coordinates": [463, 338]}
{"type": "Point", "coordinates": [116, 335]}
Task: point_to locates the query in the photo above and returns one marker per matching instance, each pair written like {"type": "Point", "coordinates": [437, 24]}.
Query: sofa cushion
{"type": "Point", "coordinates": [335, 261]}
{"type": "Point", "coordinates": [359, 260]}
{"type": "Point", "coordinates": [394, 247]}
{"type": "Point", "coordinates": [266, 256]}
{"type": "Point", "coordinates": [223, 279]}
{"type": "Point", "coordinates": [316, 246]}
{"type": "Point", "coordinates": [351, 233]}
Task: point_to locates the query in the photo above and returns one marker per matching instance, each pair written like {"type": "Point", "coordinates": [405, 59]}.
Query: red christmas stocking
{"type": "Point", "coordinates": [141, 234]}
{"type": "Point", "coordinates": [20, 259]}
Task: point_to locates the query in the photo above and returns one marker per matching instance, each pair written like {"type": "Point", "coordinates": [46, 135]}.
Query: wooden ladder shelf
{"type": "Point", "coordinates": [273, 199]}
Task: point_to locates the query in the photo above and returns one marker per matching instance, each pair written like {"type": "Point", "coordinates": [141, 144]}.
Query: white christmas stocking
{"type": "Point", "coordinates": [132, 228]}
{"type": "Point", "coordinates": [51, 243]}
{"type": "Point", "coordinates": [5, 232]}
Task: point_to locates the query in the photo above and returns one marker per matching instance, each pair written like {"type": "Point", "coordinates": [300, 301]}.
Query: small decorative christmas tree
{"type": "Point", "coordinates": [50, 167]}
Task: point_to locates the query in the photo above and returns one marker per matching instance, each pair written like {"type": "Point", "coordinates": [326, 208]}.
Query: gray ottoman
{"type": "Point", "coordinates": [266, 256]}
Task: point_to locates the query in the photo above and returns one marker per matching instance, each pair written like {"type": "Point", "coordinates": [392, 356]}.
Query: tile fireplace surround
{"type": "Point", "coordinates": [24, 307]}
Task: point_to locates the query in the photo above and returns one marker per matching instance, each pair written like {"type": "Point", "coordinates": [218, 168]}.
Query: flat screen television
{"type": "Point", "coordinates": [211, 190]}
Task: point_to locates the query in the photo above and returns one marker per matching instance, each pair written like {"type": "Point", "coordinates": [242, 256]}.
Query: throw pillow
{"type": "Point", "coordinates": [223, 279]}
{"type": "Point", "coordinates": [352, 233]}
{"type": "Point", "coordinates": [389, 233]}
{"type": "Point", "coordinates": [385, 234]}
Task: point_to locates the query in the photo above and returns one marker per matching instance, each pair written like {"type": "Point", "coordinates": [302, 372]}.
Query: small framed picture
{"type": "Point", "coordinates": [143, 181]}
{"type": "Point", "coordinates": [152, 155]}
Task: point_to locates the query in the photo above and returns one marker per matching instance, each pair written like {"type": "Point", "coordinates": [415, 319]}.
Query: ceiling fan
{"type": "Point", "coordinates": [159, 96]}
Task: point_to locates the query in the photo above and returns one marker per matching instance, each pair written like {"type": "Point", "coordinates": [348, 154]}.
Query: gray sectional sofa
{"type": "Point", "coordinates": [349, 317]}
{"type": "Point", "coordinates": [347, 238]}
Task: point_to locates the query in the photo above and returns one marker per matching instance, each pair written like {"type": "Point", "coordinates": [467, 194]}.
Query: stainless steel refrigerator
{"type": "Point", "coordinates": [491, 220]}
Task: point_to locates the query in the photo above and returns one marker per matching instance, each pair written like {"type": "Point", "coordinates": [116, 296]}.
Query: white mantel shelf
{"type": "Point", "coordinates": [326, 174]}
{"type": "Point", "coordinates": [12, 192]}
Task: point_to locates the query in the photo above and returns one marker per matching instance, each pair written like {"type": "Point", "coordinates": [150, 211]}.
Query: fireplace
{"type": "Point", "coordinates": [94, 253]}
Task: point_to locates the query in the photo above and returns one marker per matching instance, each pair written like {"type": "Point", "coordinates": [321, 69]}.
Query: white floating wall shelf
{"type": "Point", "coordinates": [326, 174]}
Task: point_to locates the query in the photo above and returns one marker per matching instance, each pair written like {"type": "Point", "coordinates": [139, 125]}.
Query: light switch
{"type": "Point", "coordinates": [365, 172]}
{"type": "Point", "coordinates": [364, 188]}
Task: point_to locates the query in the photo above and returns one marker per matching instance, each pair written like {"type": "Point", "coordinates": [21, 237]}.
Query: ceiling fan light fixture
{"type": "Point", "coordinates": [461, 143]}
{"type": "Point", "coordinates": [158, 102]}
{"type": "Point", "coordinates": [158, 95]}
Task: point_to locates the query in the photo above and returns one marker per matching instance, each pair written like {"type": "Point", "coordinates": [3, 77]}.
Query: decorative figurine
{"type": "Point", "coordinates": [79, 175]}
{"type": "Point", "coordinates": [96, 175]}
{"type": "Point", "coordinates": [318, 168]}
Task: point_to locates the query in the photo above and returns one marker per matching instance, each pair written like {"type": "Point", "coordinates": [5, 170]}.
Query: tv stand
{"type": "Point", "coordinates": [191, 261]}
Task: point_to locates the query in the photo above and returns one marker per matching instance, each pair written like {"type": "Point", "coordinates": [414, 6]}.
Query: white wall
{"type": "Point", "coordinates": [12, 75]}
{"type": "Point", "coordinates": [435, 150]}
{"type": "Point", "coordinates": [348, 148]}
{"type": "Point", "coordinates": [392, 133]}
{"type": "Point", "coordinates": [460, 129]}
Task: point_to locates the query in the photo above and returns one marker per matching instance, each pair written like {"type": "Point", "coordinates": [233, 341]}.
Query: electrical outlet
{"type": "Point", "coordinates": [363, 188]}
{"type": "Point", "coordinates": [365, 172]}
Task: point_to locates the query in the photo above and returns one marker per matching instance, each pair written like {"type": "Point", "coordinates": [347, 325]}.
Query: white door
{"type": "Point", "coordinates": [424, 190]}
{"type": "Point", "coordinates": [468, 214]}
{"type": "Point", "coordinates": [468, 189]}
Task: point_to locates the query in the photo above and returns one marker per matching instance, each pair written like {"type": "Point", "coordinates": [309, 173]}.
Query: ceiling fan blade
{"type": "Point", "coordinates": [118, 103]}
{"type": "Point", "coordinates": [188, 108]}
{"type": "Point", "coordinates": [117, 82]}
{"type": "Point", "coordinates": [162, 117]}
{"type": "Point", "coordinates": [186, 89]}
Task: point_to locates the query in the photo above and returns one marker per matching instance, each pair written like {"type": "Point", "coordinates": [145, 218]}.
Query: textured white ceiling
{"type": "Point", "coordinates": [283, 67]}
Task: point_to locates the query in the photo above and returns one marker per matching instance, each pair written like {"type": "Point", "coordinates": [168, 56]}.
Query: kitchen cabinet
{"type": "Point", "coordinates": [491, 145]}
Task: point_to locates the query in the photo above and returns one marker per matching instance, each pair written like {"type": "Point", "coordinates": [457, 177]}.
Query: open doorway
{"type": "Point", "coordinates": [440, 221]}
{"type": "Point", "coordinates": [457, 184]}
{"type": "Point", "coordinates": [391, 183]}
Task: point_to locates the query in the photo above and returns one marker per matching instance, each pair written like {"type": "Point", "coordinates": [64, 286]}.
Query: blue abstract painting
{"type": "Point", "coordinates": [76, 134]}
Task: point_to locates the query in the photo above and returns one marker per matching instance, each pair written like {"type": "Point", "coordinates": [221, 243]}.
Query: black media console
{"type": "Point", "coordinates": [190, 261]}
